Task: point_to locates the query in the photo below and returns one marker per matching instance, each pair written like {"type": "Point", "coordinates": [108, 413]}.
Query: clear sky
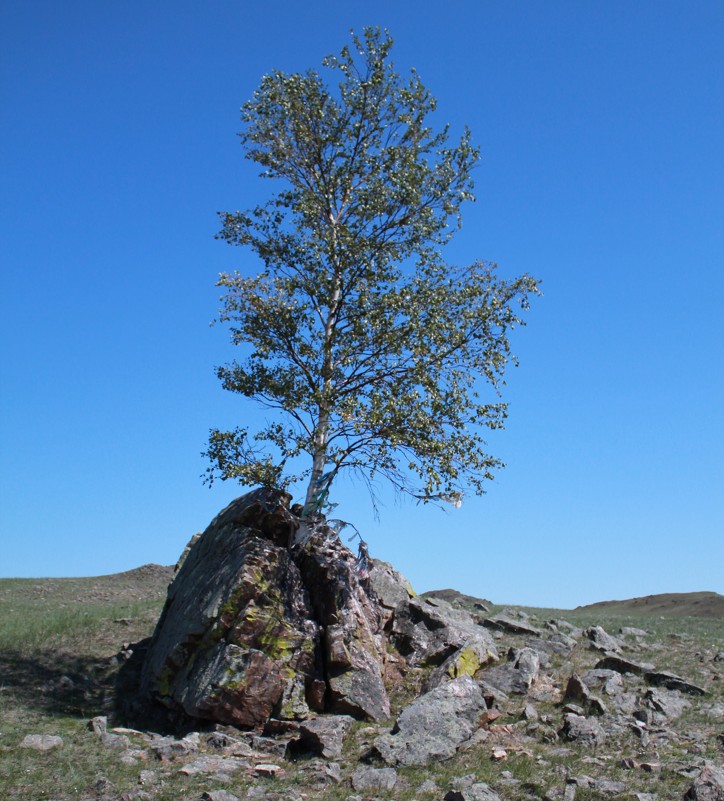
{"type": "Point", "coordinates": [601, 126]}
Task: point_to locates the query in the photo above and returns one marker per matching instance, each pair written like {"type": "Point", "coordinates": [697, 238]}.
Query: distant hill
{"type": "Point", "coordinates": [681, 604]}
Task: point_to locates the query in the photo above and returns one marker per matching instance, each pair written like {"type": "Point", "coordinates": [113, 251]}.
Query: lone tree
{"type": "Point", "coordinates": [371, 349]}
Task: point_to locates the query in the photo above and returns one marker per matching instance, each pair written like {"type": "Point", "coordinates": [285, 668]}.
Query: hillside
{"type": "Point", "coordinates": [686, 604]}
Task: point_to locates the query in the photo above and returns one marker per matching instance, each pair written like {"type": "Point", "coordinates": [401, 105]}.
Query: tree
{"type": "Point", "coordinates": [370, 347]}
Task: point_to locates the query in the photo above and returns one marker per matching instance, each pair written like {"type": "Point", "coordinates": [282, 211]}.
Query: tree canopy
{"type": "Point", "coordinates": [374, 354]}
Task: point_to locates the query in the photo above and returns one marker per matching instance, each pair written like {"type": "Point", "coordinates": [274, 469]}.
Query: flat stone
{"type": "Point", "coordinates": [504, 622]}
{"type": "Point", "coordinates": [213, 764]}
{"type": "Point", "coordinates": [369, 778]}
{"type": "Point", "coordinates": [41, 742]}
{"type": "Point", "coordinates": [479, 791]}
{"type": "Point", "coordinates": [621, 665]}
{"type": "Point", "coordinates": [325, 735]}
{"type": "Point", "coordinates": [661, 678]}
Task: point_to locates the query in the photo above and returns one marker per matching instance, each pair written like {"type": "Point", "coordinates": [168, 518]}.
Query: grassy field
{"type": "Point", "coordinates": [59, 657]}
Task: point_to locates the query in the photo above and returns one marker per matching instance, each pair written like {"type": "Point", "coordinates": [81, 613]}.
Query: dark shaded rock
{"type": "Point", "coordinates": [660, 678]}
{"type": "Point", "coordinates": [255, 626]}
{"type": "Point", "coordinates": [427, 632]}
{"type": "Point", "coordinates": [517, 675]}
{"type": "Point", "coordinates": [504, 622]}
{"type": "Point", "coordinates": [621, 665]}
{"type": "Point", "coordinates": [584, 730]}
{"type": "Point", "coordinates": [708, 786]}
{"type": "Point", "coordinates": [434, 725]}
{"type": "Point", "coordinates": [369, 778]}
{"type": "Point", "coordinates": [577, 692]}
{"type": "Point", "coordinates": [219, 795]}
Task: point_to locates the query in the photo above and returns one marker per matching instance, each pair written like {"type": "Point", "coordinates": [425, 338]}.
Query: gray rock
{"type": "Point", "coordinates": [621, 665]}
{"type": "Point", "coordinates": [577, 691]}
{"type": "Point", "coordinates": [325, 735]}
{"type": "Point", "coordinates": [630, 631]}
{"type": "Point", "coordinates": [427, 632]}
{"type": "Point", "coordinates": [582, 729]}
{"type": "Point", "coordinates": [213, 764]}
{"type": "Point", "coordinates": [602, 641]}
{"type": "Point", "coordinates": [608, 681]}
{"type": "Point", "coordinates": [668, 703]}
{"type": "Point", "coordinates": [475, 792]}
{"type": "Point", "coordinates": [389, 586]}
{"type": "Point", "coordinates": [369, 778]}
{"type": "Point", "coordinates": [504, 622]}
{"type": "Point", "coordinates": [517, 675]}
{"type": "Point", "coordinates": [708, 786]}
{"type": "Point", "coordinates": [434, 725]}
{"type": "Point", "coordinates": [41, 742]}
{"type": "Point", "coordinates": [219, 795]}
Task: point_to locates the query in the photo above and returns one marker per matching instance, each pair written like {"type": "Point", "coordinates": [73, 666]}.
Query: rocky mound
{"type": "Point", "coordinates": [682, 604]}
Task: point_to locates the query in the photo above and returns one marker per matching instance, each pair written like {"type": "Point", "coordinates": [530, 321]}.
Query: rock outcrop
{"type": "Point", "coordinates": [256, 626]}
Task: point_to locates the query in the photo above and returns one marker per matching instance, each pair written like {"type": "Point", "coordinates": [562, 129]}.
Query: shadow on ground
{"type": "Point", "coordinates": [53, 683]}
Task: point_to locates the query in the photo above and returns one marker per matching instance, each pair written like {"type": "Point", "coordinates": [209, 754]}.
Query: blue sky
{"type": "Point", "coordinates": [601, 127]}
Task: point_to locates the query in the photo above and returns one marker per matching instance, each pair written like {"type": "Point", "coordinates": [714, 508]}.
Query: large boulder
{"type": "Point", "coordinates": [258, 626]}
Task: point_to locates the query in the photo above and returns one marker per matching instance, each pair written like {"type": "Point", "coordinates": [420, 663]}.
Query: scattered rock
{"type": "Point", "coordinates": [41, 742]}
{"type": "Point", "coordinates": [708, 786]}
{"type": "Point", "coordinates": [369, 778]}
{"type": "Point", "coordinates": [325, 735]}
{"type": "Point", "coordinates": [669, 703]}
{"type": "Point", "coordinates": [213, 764]}
{"type": "Point", "coordinates": [583, 729]}
{"type": "Point", "coordinates": [517, 675]}
{"type": "Point", "coordinates": [602, 641]}
{"type": "Point", "coordinates": [218, 795]}
{"type": "Point", "coordinates": [475, 792]}
{"type": "Point", "coordinates": [624, 666]}
{"type": "Point", "coordinates": [577, 691]}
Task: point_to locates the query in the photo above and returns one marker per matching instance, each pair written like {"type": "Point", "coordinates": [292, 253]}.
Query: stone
{"type": "Point", "coordinates": [388, 586]}
{"type": "Point", "coordinates": [325, 735]}
{"type": "Point", "coordinates": [98, 725]}
{"type": "Point", "coordinates": [577, 691]}
{"type": "Point", "coordinates": [427, 632]}
{"type": "Point", "coordinates": [661, 678]}
{"type": "Point", "coordinates": [609, 681]}
{"type": "Point", "coordinates": [369, 778]}
{"type": "Point", "coordinates": [41, 742]}
{"type": "Point", "coordinates": [479, 791]}
{"type": "Point", "coordinates": [630, 631]}
{"type": "Point", "coordinates": [168, 748]}
{"type": "Point", "coordinates": [212, 764]}
{"type": "Point", "coordinates": [219, 795]}
{"type": "Point", "coordinates": [256, 626]}
{"type": "Point", "coordinates": [517, 675]}
{"type": "Point", "coordinates": [708, 786]}
{"type": "Point", "coordinates": [667, 703]}
{"type": "Point", "coordinates": [601, 640]}
{"type": "Point", "coordinates": [434, 725]}
{"type": "Point", "coordinates": [582, 729]}
{"type": "Point", "coordinates": [621, 665]}
{"type": "Point", "coordinates": [504, 622]}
